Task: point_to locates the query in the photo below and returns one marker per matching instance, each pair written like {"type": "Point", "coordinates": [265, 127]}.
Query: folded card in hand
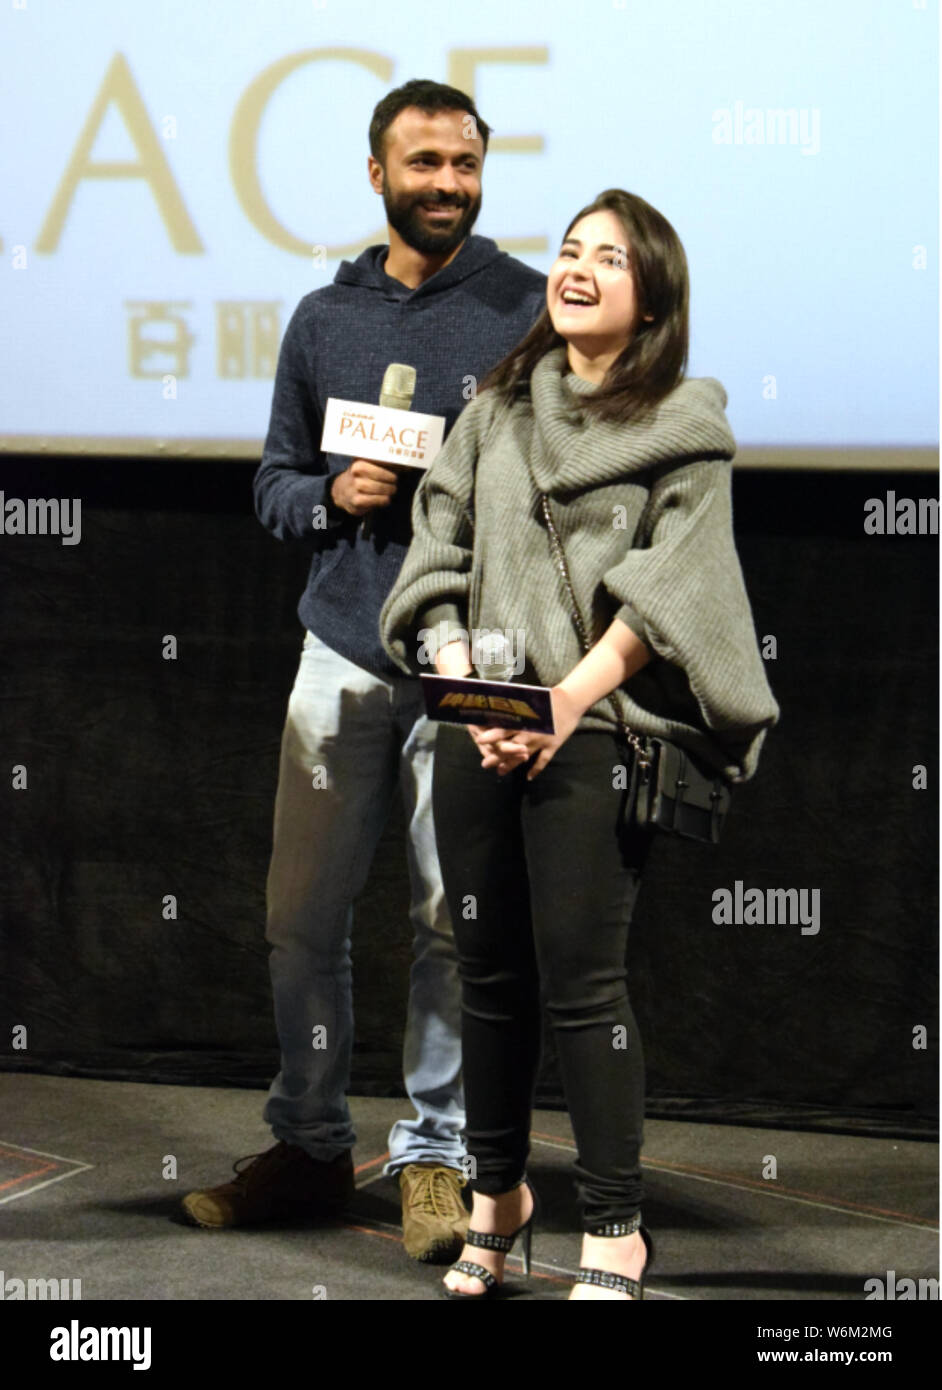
{"type": "Point", "coordinates": [495, 704]}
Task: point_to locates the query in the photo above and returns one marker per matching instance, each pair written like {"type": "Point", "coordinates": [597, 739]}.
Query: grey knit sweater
{"type": "Point", "coordinates": [644, 513]}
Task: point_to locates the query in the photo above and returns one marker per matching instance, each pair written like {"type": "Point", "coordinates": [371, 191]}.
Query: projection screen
{"type": "Point", "coordinates": [177, 176]}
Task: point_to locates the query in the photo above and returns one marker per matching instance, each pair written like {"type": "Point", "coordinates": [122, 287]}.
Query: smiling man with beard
{"type": "Point", "coordinates": [451, 305]}
{"type": "Point", "coordinates": [431, 201]}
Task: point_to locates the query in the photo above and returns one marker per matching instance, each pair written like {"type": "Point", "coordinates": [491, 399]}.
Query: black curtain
{"type": "Point", "coordinates": [151, 781]}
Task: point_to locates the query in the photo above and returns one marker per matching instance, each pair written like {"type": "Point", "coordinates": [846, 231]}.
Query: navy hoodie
{"type": "Point", "coordinates": [456, 325]}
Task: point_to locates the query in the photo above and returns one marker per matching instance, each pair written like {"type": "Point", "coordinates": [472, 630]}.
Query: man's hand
{"type": "Point", "coordinates": [363, 487]}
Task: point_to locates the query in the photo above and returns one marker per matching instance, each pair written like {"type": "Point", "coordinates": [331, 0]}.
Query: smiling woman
{"type": "Point", "coordinates": [592, 295]}
{"type": "Point", "coordinates": [640, 622]}
{"type": "Point", "coordinates": [629, 333]}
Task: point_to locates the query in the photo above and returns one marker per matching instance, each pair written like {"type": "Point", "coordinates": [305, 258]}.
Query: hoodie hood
{"type": "Point", "coordinates": [368, 270]}
{"type": "Point", "coordinates": [579, 450]}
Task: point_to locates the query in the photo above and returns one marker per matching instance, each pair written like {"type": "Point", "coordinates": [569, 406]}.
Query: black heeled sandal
{"type": "Point", "coordinates": [606, 1278]}
{"type": "Point", "coordinates": [488, 1241]}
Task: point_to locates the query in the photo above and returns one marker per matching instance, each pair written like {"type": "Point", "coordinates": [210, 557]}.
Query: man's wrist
{"type": "Point", "coordinates": [334, 510]}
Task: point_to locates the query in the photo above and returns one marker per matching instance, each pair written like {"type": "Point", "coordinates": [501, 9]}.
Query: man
{"type": "Point", "coordinates": [451, 305]}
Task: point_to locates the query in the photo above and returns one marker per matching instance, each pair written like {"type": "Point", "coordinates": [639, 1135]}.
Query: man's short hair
{"type": "Point", "coordinates": [429, 97]}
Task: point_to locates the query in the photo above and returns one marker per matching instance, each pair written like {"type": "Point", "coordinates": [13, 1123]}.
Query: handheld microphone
{"type": "Point", "coordinates": [398, 386]}
{"type": "Point", "coordinates": [492, 657]}
{"type": "Point", "coordinates": [397, 391]}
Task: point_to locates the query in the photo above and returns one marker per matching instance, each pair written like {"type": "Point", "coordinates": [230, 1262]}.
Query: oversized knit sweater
{"type": "Point", "coordinates": [643, 510]}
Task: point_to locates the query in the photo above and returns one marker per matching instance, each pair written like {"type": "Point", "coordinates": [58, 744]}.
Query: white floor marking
{"type": "Point", "coordinates": [75, 1167]}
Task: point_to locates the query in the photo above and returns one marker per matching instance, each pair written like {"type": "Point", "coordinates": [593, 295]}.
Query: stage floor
{"type": "Point", "coordinates": [83, 1196]}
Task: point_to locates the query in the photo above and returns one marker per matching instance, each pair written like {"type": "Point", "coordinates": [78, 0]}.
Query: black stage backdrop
{"type": "Point", "coordinates": [149, 777]}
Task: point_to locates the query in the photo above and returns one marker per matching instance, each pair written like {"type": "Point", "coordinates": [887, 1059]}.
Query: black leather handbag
{"type": "Point", "coordinates": [676, 795]}
{"type": "Point", "coordinates": [672, 790]}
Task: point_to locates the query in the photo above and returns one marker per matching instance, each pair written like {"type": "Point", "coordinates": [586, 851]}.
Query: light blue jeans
{"type": "Point", "coordinates": [348, 739]}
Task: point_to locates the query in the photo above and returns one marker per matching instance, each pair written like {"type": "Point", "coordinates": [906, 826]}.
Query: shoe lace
{"type": "Point", "coordinates": [435, 1192]}
{"type": "Point", "coordinates": [258, 1164]}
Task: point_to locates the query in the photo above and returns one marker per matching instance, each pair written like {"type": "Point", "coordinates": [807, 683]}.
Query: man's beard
{"type": "Point", "coordinates": [403, 211]}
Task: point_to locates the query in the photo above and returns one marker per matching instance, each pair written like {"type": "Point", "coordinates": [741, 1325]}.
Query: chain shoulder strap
{"type": "Point", "coordinates": [559, 558]}
{"type": "Point", "coordinates": [501, 409]}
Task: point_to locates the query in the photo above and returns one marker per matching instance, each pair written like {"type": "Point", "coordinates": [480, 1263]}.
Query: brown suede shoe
{"type": "Point", "coordinates": [283, 1182]}
{"type": "Point", "coordinates": [434, 1218]}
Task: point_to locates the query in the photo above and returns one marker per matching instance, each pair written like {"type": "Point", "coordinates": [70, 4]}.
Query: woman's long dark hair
{"type": "Point", "coordinates": [654, 361]}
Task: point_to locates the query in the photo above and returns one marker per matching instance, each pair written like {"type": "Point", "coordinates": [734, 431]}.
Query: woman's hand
{"type": "Point", "coordinates": [453, 659]}
{"type": "Point", "coordinates": [616, 657]}
{"type": "Point", "coordinates": [504, 750]}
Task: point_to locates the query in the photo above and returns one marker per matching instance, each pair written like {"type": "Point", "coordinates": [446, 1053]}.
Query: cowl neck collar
{"type": "Point", "coordinates": [578, 451]}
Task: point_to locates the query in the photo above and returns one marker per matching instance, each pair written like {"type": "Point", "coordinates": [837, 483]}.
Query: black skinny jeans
{"type": "Point", "coordinates": [541, 880]}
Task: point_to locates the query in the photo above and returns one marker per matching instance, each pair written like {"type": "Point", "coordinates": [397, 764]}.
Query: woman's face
{"type": "Point", "coordinates": [590, 292]}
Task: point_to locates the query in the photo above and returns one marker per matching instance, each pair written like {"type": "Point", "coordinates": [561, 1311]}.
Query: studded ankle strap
{"type": "Point", "coordinates": [487, 1241]}
{"type": "Point", "coordinates": [606, 1280]}
{"type": "Point", "coordinates": [616, 1228]}
{"type": "Point", "coordinates": [476, 1272]}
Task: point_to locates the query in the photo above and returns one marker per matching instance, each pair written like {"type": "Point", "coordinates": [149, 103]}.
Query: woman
{"type": "Point", "coordinates": [540, 857]}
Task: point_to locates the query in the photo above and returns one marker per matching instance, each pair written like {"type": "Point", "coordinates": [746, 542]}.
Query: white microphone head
{"type": "Point", "coordinates": [492, 656]}
{"type": "Point", "coordinates": [398, 386]}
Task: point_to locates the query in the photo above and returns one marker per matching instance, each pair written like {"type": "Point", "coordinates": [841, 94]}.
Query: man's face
{"type": "Point", "coordinates": [431, 179]}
